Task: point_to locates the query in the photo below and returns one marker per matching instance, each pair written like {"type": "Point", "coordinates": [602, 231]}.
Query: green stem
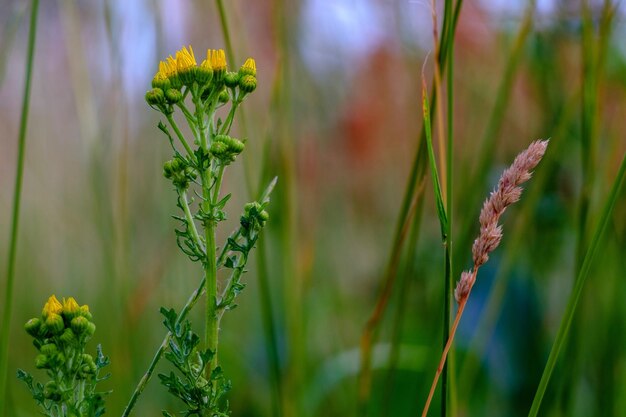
{"type": "Point", "coordinates": [210, 267]}
{"type": "Point", "coordinates": [189, 217]}
{"type": "Point", "coordinates": [180, 135]}
{"type": "Point", "coordinates": [229, 119]}
{"type": "Point", "coordinates": [15, 218]}
{"type": "Point", "coordinates": [448, 229]}
{"type": "Point", "coordinates": [574, 296]}
{"type": "Point", "coordinates": [197, 100]}
{"type": "Point", "coordinates": [190, 119]}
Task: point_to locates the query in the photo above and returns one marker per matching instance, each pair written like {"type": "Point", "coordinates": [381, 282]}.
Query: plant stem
{"type": "Point", "coordinates": [189, 217]}
{"type": "Point", "coordinates": [180, 135]}
{"type": "Point", "coordinates": [574, 296]}
{"type": "Point", "coordinates": [444, 354]}
{"type": "Point", "coordinates": [15, 218]}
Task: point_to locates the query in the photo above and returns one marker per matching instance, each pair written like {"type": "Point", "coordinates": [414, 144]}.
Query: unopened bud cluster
{"type": "Point", "coordinates": [179, 172]}
{"type": "Point", "coordinates": [60, 335]}
{"type": "Point", "coordinates": [253, 219]}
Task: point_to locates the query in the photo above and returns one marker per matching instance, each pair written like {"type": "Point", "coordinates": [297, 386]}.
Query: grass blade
{"type": "Point", "coordinates": [572, 302]}
{"type": "Point", "coordinates": [15, 218]}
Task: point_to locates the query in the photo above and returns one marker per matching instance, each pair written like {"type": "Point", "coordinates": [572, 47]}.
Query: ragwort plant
{"type": "Point", "coordinates": [60, 336]}
{"type": "Point", "coordinates": [197, 169]}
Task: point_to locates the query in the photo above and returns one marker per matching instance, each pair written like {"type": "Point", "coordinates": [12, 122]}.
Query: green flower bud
{"type": "Point", "coordinates": [84, 311]}
{"type": "Point", "coordinates": [155, 97]}
{"type": "Point", "coordinates": [248, 68]}
{"type": "Point", "coordinates": [49, 349]}
{"type": "Point", "coordinates": [204, 73]}
{"type": "Point", "coordinates": [33, 327]}
{"type": "Point", "coordinates": [218, 149]}
{"type": "Point", "coordinates": [68, 337]}
{"type": "Point", "coordinates": [79, 325]}
{"type": "Point", "coordinates": [236, 146]}
{"type": "Point", "coordinates": [51, 391]}
{"type": "Point", "coordinates": [264, 216]}
{"type": "Point", "coordinates": [173, 96]}
{"type": "Point", "coordinates": [247, 83]}
{"type": "Point", "coordinates": [168, 171]}
{"type": "Point", "coordinates": [231, 79]}
{"type": "Point", "coordinates": [41, 361]}
{"type": "Point", "coordinates": [223, 97]}
{"type": "Point", "coordinates": [88, 363]}
{"type": "Point", "coordinates": [91, 329]}
{"type": "Point", "coordinates": [161, 81]}
{"type": "Point", "coordinates": [54, 324]}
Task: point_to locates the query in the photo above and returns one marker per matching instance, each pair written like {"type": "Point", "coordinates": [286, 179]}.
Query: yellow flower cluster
{"type": "Point", "coordinates": [182, 69]}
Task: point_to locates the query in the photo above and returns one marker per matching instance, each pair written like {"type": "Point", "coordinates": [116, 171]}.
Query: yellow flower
{"type": "Point", "coordinates": [185, 59]}
{"type": "Point", "coordinates": [217, 58]}
{"type": "Point", "coordinates": [52, 306]}
{"type": "Point", "coordinates": [204, 72]}
{"type": "Point", "coordinates": [248, 68]}
{"type": "Point", "coordinates": [70, 306]}
{"type": "Point", "coordinates": [169, 68]}
{"type": "Point", "coordinates": [186, 65]}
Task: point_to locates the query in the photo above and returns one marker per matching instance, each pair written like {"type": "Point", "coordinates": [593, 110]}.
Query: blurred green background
{"type": "Point", "coordinates": [337, 116]}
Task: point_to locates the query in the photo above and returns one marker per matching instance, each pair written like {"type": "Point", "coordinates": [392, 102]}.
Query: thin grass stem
{"type": "Point", "coordinates": [17, 200]}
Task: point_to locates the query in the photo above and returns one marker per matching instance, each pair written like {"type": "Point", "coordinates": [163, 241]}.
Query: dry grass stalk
{"type": "Point", "coordinates": [507, 193]}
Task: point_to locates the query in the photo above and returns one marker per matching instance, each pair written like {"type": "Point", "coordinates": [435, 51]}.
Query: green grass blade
{"type": "Point", "coordinates": [441, 211]}
{"type": "Point", "coordinates": [574, 297]}
{"type": "Point", "coordinates": [15, 219]}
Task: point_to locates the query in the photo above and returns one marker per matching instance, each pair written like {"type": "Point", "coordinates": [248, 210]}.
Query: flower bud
{"type": "Point", "coordinates": [70, 308]}
{"type": "Point", "coordinates": [155, 97]}
{"type": "Point", "coordinates": [41, 361]}
{"type": "Point", "coordinates": [218, 149]}
{"type": "Point", "coordinates": [79, 325]}
{"type": "Point", "coordinates": [231, 79]}
{"type": "Point", "coordinates": [223, 97]}
{"type": "Point", "coordinates": [84, 311]}
{"type": "Point", "coordinates": [88, 362]}
{"type": "Point", "coordinates": [161, 80]}
{"type": "Point", "coordinates": [51, 391]}
{"type": "Point", "coordinates": [54, 324]}
{"type": "Point", "coordinates": [186, 66]}
{"type": "Point", "coordinates": [33, 327]}
{"type": "Point", "coordinates": [68, 337]}
{"type": "Point", "coordinates": [52, 306]}
{"type": "Point", "coordinates": [91, 329]}
{"type": "Point", "coordinates": [218, 63]}
{"type": "Point", "coordinates": [204, 73]}
{"type": "Point", "coordinates": [49, 349]}
{"type": "Point", "coordinates": [247, 83]}
{"type": "Point", "coordinates": [173, 96]}
{"type": "Point", "coordinates": [248, 68]}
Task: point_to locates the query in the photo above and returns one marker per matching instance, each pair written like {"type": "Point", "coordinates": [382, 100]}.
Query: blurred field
{"type": "Point", "coordinates": [338, 114]}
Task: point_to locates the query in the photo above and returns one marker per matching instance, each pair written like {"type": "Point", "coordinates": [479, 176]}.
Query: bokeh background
{"type": "Point", "coordinates": [337, 117]}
